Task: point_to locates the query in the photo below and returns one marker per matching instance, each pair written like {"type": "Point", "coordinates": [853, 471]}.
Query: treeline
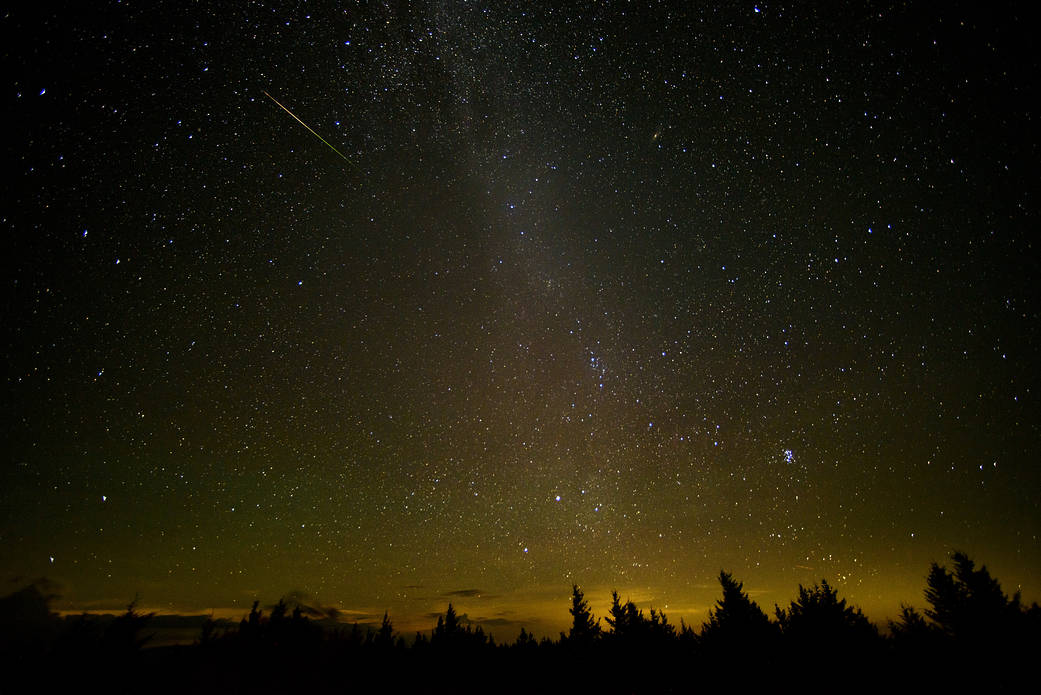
{"type": "Point", "coordinates": [970, 627]}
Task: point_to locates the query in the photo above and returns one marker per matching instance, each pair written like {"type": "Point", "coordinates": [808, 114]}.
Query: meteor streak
{"type": "Point", "coordinates": [342, 156]}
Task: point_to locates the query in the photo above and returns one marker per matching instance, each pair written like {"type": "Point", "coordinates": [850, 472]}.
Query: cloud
{"type": "Point", "coordinates": [495, 622]}
{"type": "Point", "coordinates": [46, 586]}
{"type": "Point", "coordinates": [312, 608]}
{"type": "Point", "coordinates": [315, 612]}
{"type": "Point", "coordinates": [469, 593]}
{"type": "Point", "coordinates": [360, 617]}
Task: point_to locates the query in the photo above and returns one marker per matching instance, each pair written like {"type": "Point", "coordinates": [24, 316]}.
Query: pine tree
{"type": "Point", "coordinates": [736, 618]}
{"type": "Point", "coordinates": [818, 616]}
{"type": "Point", "coordinates": [584, 629]}
{"type": "Point", "coordinates": [448, 630]}
{"type": "Point", "coordinates": [626, 620]}
{"type": "Point", "coordinates": [451, 620]}
{"type": "Point", "coordinates": [660, 628]}
{"type": "Point", "coordinates": [913, 633]}
{"type": "Point", "coordinates": [421, 642]}
{"type": "Point", "coordinates": [123, 635]}
{"type": "Point", "coordinates": [968, 603]}
{"type": "Point", "coordinates": [385, 636]}
{"type": "Point", "coordinates": [525, 640]}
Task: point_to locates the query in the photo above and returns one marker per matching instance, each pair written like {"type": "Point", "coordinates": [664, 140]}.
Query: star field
{"type": "Point", "coordinates": [606, 293]}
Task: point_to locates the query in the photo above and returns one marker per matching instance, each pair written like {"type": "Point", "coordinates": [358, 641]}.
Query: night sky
{"type": "Point", "coordinates": [618, 294]}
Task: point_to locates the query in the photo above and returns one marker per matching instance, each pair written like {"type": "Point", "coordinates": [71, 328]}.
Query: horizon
{"type": "Point", "coordinates": [473, 609]}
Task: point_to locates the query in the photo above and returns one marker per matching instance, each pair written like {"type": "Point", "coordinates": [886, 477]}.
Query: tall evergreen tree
{"type": "Point", "coordinates": [626, 620]}
{"type": "Point", "coordinates": [660, 628]}
{"type": "Point", "coordinates": [736, 619]}
{"type": "Point", "coordinates": [525, 640]}
{"type": "Point", "coordinates": [385, 636]}
{"type": "Point", "coordinates": [912, 633]}
{"type": "Point", "coordinates": [819, 617]}
{"type": "Point", "coordinates": [615, 614]}
{"type": "Point", "coordinates": [968, 603]}
{"type": "Point", "coordinates": [584, 628]}
{"type": "Point", "coordinates": [448, 630]}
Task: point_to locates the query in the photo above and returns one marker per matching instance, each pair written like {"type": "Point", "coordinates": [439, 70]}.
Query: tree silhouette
{"type": "Point", "coordinates": [584, 629]}
{"type": "Point", "coordinates": [630, 627]}
{"type": "Point", "coordinates": [385, 636]}
{"type": "Point", "coordinates": [687, 636]}
{"type": "Point", "coordinates": [659, 628]}
{"type": "Point", "coordinates": [969, 610]}
{"type": "Point", "coordinates": [911, 624]}
{"type": "Point", "coordinates": [736, 620]}
{"type": "Point", "coordinates": [26, 620]}
{"type": "Point", "coordinates": [250, 626]}
{"type": "Point", "coordinates": [968, 603]}
{"type": "Point", "coordinates": [525, 640]}
{"type": "Point", "coordinates": [819, 618]}
{"type": "Point", "coordinates": [970, 626]}
{"type": "Point", "coordinates": [123, 636]}
{"type": "Point", "coordinates": [447, 629]}
{"type": "Point", "coordinates": [624, 619]}
{"type": "Point", "coordinates": [913, 636]}
{"type": "Point", "coordinates": [208, 633]}
{"type": "Point", "coordinates": [449, 632]}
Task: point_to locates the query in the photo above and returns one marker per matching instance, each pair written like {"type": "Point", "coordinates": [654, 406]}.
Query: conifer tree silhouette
{"type": "Point", "coordinates": [525, 640]}
{"type": "Point", "coordinates": [970, 610]}
{"type": "Point", "coordinates": [968, 604]}
{"type": "Point", "coordinates": [447, 630]}
{"type": "Point", "coordinates": [278, 613]}
{"type": "Point", "coordinates": [913, 635]}
{"type": "Point", "coordinates": [584, 629]}
{"type": "Point", "coordinates": [385, 636]}
{"type": "Point", "coordinates": [736, 619]}
{"type": "Point", "coordinates": [630, 626]}
{"type": "Point", "coordinates": [250, 626]}
{"type": "Point", "coordinates": [910, 624]}
{"type": "Point", "coordinates": [820, 618]}
{"type": "Point", "coordinates": [659, 629]}
{"type": "Point", "coordinates": [123, 636]}
{"type": "Point", "coordinates": [451, 620]}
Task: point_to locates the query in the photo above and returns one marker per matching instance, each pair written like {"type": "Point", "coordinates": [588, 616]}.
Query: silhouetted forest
{"type": "Point", "coordinates": [970, 629]}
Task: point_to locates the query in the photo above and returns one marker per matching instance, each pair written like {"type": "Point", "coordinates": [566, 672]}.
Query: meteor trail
{"type": "Point", "coordinates": [310, 129]}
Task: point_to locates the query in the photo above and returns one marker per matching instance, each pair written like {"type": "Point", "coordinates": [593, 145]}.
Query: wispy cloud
{"type": "Point", "coordinates": [468, 593]}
